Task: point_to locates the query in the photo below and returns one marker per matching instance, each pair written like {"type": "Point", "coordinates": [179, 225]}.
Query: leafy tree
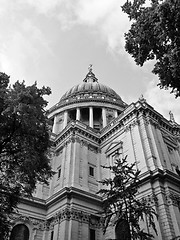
{"type": "Point", "coordinates": [24, 144]}
{"type": "Point", "coordinates": [121, 205]}
{"type": "Point", "coordinates": [155, 34]}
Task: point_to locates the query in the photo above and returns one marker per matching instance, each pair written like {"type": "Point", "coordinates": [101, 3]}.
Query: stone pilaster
{"type": "Point", "coordinates": [147, 144]}
{"type": "Point", "coordinates": [76, 163]}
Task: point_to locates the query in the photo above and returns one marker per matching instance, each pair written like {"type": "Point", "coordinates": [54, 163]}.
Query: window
{"type": "Point", "coordinates": [20, 232]}
{"type": "Point", "coordinates": [92, 235]}
{"type": "Point", "coordinates": [122, 230]}
{"type": "Point", "coordinates": [52, 235]}
{"type": "Point", "coordinates": [59, 172]}
{"type": "Point", "coordinates": [91, 171]}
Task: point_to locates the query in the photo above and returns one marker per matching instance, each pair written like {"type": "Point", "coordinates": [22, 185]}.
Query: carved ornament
{"type": "Point", "coordinates": [173, 198]}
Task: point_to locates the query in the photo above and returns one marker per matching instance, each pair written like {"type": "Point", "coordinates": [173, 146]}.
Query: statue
{"type": "Point", "coordinates": [141, 98]}
{"type": "Point", "coordinates": [171, 117]}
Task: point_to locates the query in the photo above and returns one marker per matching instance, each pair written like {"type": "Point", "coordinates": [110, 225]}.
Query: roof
{"type": "Point", "coordinates": [90, 90]}
{"type": "Point", "coordinates": [90, 85]}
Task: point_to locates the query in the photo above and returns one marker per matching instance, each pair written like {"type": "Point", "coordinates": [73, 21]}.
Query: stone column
{"type": "Point", "coordinates": [104, 117]}
{"type": "Point", "coordinates": [91, 117]}
{"type": "Point", "coordinates": [65, 118]}
{"type": "Point", "coordinates": [54, 124]}
{"type": "Point", "coordinates": [78, 114]}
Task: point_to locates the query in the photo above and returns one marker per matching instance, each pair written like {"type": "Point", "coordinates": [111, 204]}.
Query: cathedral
{"type": "Point", "coordinates": [89, 126]}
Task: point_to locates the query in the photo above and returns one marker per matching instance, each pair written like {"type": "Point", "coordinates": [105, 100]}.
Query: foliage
{"type": "Point", "coordinates": [155, 34]}
{"type": "Point", "coordinates": [24, 144]}
{"type": "Point", "coordinates": [121, 203]}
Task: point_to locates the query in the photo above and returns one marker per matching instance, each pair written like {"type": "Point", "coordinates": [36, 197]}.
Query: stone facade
{"type": "Point", "coordinates": [89, 125]}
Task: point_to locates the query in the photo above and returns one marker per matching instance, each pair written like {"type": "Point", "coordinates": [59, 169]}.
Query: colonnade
{"type": "Point", "coordinates": [91, 116]}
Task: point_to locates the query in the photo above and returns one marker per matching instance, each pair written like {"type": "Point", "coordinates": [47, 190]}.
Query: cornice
{"type": "Point", "coordinates": [124, 122]}
{"type": "Point", "coordinates": [91, 98]}
{"type": "Point", "coordinates": [34, 202]}
{"type": "Point", "coordinates": [71, 192]}
{"type": "Point", "coordinates": [160, 175]}
{"type": "Point", "coordinates": [129, 118]}
{"type": "Point", "coordinates": [74, 128]}
{"type": "Point", "coordinates": [157, 119]}
{"type": "Point", "coordinates": [172, 177]}
{"type": "Point", "coordinates": [131, 115]}
{"type": "Point", "coordinates": [66, 213]}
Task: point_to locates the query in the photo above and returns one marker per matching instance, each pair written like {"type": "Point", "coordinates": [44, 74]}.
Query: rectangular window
{"type": "Point", "coordinates": [52, 235]}
{"type": "Point", "coordinates": [91, 171]}
{"type": "Point", "coordinates": [92, 234]}
{"type": "Point", "coordinates": [59, 172]}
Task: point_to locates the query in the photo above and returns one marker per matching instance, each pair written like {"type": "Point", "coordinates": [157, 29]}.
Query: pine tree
{"type": "Point", "coordinates": [121, 205]}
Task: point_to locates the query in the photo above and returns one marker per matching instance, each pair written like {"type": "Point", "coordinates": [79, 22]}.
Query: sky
{"type": "Point", "coordinates": [54, 41]}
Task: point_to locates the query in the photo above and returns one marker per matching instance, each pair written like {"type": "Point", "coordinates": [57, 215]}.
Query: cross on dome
{"type": "Point", "coordinates": [90, 67]}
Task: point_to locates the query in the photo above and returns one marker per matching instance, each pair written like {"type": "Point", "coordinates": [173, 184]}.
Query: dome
{"type": "Point", "coordinates": [90, 102]}
{"type": "Point", "coordinates": [91, 90]}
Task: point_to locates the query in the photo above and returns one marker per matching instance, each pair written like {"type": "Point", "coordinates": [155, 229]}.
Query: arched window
{"type": "Point", "coordinates": [20, 232]}
{"type": "Point", "coordinates": [122, 230]}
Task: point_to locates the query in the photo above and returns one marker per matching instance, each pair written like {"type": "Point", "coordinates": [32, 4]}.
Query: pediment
{"type": "Point", "coordinates": [114, 146]}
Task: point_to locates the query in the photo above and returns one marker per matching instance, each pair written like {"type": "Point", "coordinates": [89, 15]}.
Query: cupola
{"type": "Point", "coordinates": [90, 102]}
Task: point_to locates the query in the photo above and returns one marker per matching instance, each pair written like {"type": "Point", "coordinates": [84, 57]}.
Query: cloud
{"type": "Point", "coordinates": [113, 29]}
{"type": "Point", "coordinates": [41, 6]}
{"type": "Point", "coordinates": [103, 16]}
{"type": "Point", "coordinates": [107, 18]}
{"type": "Point", "coordinates": [22, 48]}
{"type": "Point", "coordinates": [162, 101]}
{"type": "Point", "coordinates": [12, 55]}
{"type": "Point", "coordinates": [91, 12]}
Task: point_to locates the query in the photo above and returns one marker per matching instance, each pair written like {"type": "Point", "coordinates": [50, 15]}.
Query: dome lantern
{"type": "Point", "coordinates": [90, 77]}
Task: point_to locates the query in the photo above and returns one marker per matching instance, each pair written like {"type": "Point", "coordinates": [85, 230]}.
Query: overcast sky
{"type": "Point", "coordinates": [54, 41]}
